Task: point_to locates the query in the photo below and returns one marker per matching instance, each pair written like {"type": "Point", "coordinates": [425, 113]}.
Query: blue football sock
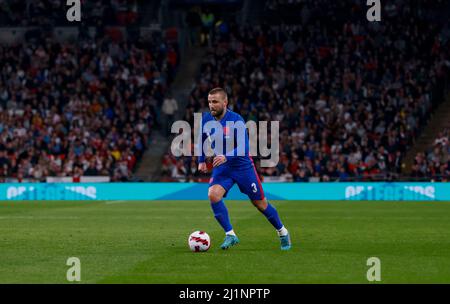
{"type": "Point", "coordinates": [221, 215]}
{"type": "Point", "coordinates": [272, 215]}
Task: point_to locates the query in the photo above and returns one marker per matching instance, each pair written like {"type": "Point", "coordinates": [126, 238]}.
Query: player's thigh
{"type": "Point", "coordinates": [219, 185]}
{"type": "Point", "coordinates": [249, 183]}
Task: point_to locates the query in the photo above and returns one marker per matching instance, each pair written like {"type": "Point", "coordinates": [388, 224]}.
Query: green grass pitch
{"type": "Point", "coordinates": [146, 242]}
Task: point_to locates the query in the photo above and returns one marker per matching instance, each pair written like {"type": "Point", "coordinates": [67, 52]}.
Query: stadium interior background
{"type": "Point", "coordinates": [90, 191]}
{"type": "Point", "coordinates": [94, 100]}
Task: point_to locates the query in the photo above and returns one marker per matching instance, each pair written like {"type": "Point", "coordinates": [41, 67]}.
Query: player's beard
{"type": "Point", "coordinates": [217, 113]}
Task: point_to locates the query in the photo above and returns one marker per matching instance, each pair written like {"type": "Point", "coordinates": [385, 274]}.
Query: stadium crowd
{"type": "Point", "coordinates": [80, 109]}
{"type": "Point", "coordinates": [350, 95]}
{"type": "Point", "coordinates": [53, 12]}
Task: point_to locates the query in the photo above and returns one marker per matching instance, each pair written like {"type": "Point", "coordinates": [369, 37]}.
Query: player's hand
{"type": "Point", "coordinates": [218, 160]}
{"type": "Point", "coordinates": [202, 167]}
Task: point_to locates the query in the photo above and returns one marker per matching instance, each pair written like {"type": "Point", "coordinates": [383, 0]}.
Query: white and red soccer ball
{"type": "Point", "coordinates": [199, 241]}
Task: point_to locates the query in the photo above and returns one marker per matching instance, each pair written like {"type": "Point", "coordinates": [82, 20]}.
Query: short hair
{"type": "Point", "coordinates": [218, 91]}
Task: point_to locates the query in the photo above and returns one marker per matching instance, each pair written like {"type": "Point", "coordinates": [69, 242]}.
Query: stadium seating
{"type": "Point", "coordinates": [84, 109]}
{"type": "Point", "coordinates": [53, 12]}
{"type": "Point", "coordinates": [351, 96]}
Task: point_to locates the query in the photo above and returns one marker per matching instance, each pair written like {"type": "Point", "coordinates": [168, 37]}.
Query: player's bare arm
{"type": "Point", "coordinates": [202, 167]}
{"type": "Point", "coordinates": [218, 160]}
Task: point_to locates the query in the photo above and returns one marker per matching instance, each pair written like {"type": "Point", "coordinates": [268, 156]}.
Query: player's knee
{"type": "Point", "coordinates": [214, 195]}
{"type": "Point", "coordinates": [260, 204]}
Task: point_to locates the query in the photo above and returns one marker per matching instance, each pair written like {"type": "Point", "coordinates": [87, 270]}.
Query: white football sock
{"type": "Point", "coordinates": [231, 232]}
{"type": "Point", "coordinates": [282, 232]}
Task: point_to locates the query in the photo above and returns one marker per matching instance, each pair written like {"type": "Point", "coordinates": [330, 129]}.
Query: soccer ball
{"type": "Point", "coordinates": [199, 241]}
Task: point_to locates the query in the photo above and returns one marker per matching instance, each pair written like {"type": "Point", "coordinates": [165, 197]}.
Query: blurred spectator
{"type": "Point", "coordinates": [169, 108]}
{"type": "Point", "coordinates": [207, 18]}
{"type": "Point", "coordinates": [434, 163]}
{"type": "Point", "coordinates": [194, 24]}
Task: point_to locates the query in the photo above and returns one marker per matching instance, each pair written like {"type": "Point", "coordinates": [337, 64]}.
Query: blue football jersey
{"type": "Point", "coordinates": [235, 140]}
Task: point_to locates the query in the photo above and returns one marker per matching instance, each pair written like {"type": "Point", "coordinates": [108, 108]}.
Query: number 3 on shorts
{"type": "Point", "coordinates": [254, 188]}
